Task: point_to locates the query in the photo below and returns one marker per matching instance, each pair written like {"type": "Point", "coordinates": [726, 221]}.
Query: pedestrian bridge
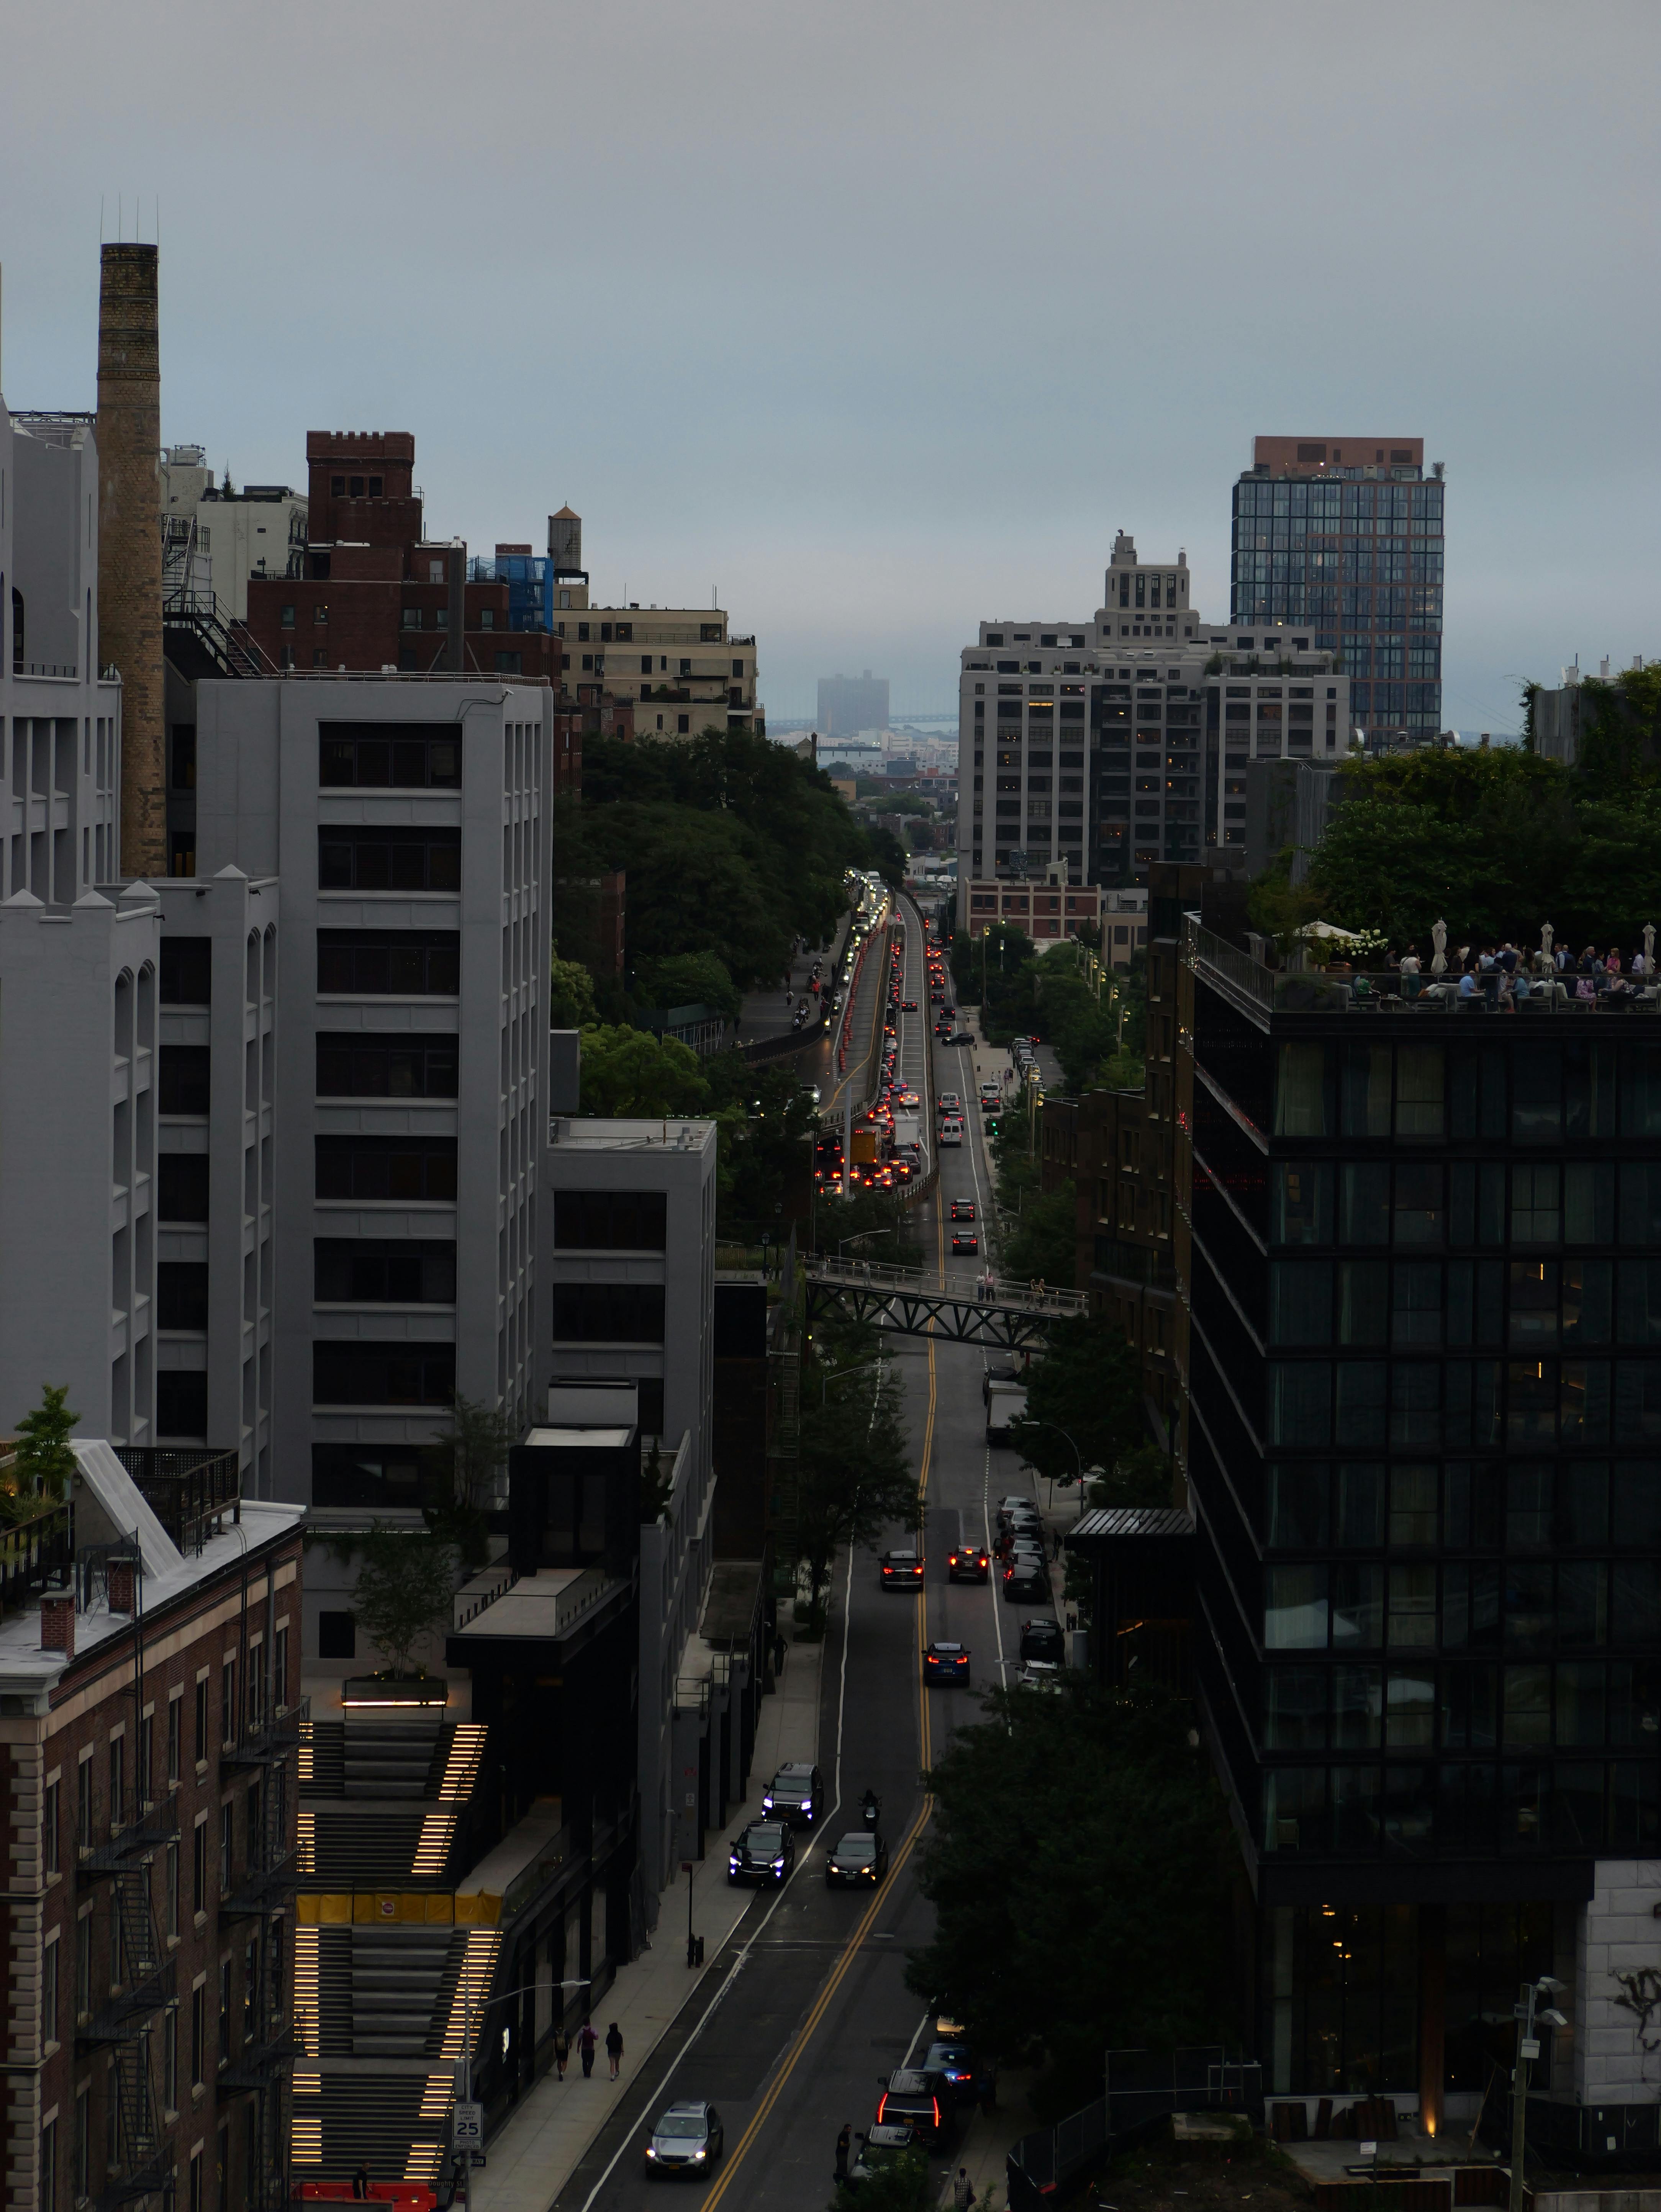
{"type": "Point", "coordinates": [997, 1311]}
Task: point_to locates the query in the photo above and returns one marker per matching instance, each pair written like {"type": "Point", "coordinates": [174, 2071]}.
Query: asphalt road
{"type": "Point", "coordinates": [807, 2005]}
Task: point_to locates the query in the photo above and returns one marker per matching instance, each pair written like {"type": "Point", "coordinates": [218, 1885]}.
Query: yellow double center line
{"type": "Point", "coordinates": [850, 1951]}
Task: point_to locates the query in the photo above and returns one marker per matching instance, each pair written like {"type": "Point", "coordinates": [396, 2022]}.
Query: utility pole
{"type": "Point", "coordinates": [1529, 2020]}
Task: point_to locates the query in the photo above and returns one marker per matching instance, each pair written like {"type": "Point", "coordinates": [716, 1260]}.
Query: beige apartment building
{"type": "Point", "coordinates": [693, 672]}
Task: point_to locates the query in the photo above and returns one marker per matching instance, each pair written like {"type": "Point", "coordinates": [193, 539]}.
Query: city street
{"type": "Point", "coordinates": [809, 2007]}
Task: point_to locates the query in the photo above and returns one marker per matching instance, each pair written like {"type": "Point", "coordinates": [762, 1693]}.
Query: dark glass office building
{"type": "Point", "coordinates": [1346, 537]}
{"type": "Point", "coordinates": [1423, 1277]}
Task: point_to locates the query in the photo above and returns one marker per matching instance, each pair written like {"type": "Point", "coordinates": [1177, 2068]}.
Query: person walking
{"type": "Point", "coordinates": [614, 2049]}
{"type": "Point", "coordinates": [361, 2184]}
{"type": "Point", "coordinates": [561, 2050]}
{"type": "Point", "coordinates": [843, 2142]}
{"type": "Point", "coordinates": [963, 2191]}
{"type": "Point", "coordinates": [779, 1647]}
{"type": "Point", "coordinates": [586, 2039]}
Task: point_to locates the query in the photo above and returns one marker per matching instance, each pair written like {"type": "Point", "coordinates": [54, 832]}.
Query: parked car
{"type": "Point", "coordinates": [1024, 1579]}
{"type": "Point", "coordinates": [688, 2138]}
{"type": "Point", "coordinates": [1043, 1638]}
{"type": "Point", "coordinates": [916, 2099]}
{"type": "Point", "coordinates": [859, 1862]}
{"type": "Point", "coordinates": [971, 2081]}
{"type": "Point", "coordinates": [879, 2148]}
{"type": "Point", "coordinates": [902, 1570]}
{"type": "Point", "coordinates": [796, 1794]}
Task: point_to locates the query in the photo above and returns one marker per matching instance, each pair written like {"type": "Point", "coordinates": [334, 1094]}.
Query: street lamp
{"type": "Point", "coordinates": [859, 1236]}
{"type": "Point", "coordinates": [1528, 2047]}
{"type": "Point", "coordinates": [841, 1374]}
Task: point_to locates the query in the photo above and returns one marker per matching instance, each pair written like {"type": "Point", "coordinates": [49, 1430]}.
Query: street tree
{"type": "Point", "coordinates": [855, 1477]}
{"type": "Point", "coordinates": [630, 1072]}
{"type": "Point", "coordinates": [1077, 1865]}
{"type": "Point", "coordinates": [1086, 1383]}
{"type": "Point", "coordinates": [405, 1587]}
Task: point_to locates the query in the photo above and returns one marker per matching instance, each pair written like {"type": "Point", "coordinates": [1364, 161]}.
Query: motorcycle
{"type": "Point", "coordinates": [871, 1809]}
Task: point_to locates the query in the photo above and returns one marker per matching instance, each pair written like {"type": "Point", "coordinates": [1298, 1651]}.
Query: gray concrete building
{"type": "Point", "coordinates": [626, 1295]}
{"type": "Point", "coordinates": [849, 704]}
{"type": "Point", "coordinates": [408, 819]}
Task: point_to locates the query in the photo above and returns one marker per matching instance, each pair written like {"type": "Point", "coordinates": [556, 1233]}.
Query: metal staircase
{"type": "Point", "coordinates": [143, 1980]}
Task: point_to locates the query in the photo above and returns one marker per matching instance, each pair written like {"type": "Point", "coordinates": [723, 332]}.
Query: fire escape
{"type": "Point", "coordinates": [268, 1739]}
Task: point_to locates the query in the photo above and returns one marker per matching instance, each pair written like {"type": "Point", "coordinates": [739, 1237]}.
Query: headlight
{"type": "Point", "coordinates": [767, 1801]}
{"type": "Point", "coordinates": [700, 2153]}
{"type": "Point", "coordinates": [733, 1865]}
{"type": "Point", "coordinates": [807, 1804]}
{"type": "Point", "coordinates": [650, 2153]}
{"type": "Point", "coordinates": [778, 1866]}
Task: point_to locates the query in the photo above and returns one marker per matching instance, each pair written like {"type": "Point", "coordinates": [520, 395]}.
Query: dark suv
{"type": "Point", "coordinates": [916, 2099]}
{"type": "Point", "coordinates": [1043, 1639]}
{"type": "Point", "coordinates": [796, 1794]}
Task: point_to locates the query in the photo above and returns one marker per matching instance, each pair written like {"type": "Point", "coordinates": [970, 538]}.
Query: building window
{"type": "Point", "coordinates": [352, 1374]}
{"type": "Point", "coordinates": [683, 724]}
{"type": "Point", "coordinates": [376, 1168]}
{"type": "Point", "coordinates": [184, 1080]}
{"type": "Point", "coordinates": [170, 2060]}
{"type": "Point", "coordinates": [49, 1840]}
{"type": "Point", "coordinates": [172, 1879]}
{"type": "Point", "coordinates": [371, 858]}
{"type": "Point", "coordinates": [49, 1992]}
{"type": "Point", "coordinates": [181, 1294]}
{"type": "Point", "coordinates": [202, 1721]}
{"type": "Point", "coordinates": [224, 2012]}
{"type": "Point", "coordinates": [175, 1733]}
{"type": "Point", "coordinates": [396, 756]}
{"type": "Point", "coordinates": [181, 1403]}
{"type": "Point", "coordinates": [610, 1221]}
{"type": "Point", "coordinates": [227, 1844]}
{"type": "Point", "coordinates": [199, 1875]}
{"type": "Point", "coordinates": [181, 1180]}
{"type": "Point", "coordinates": [487, 617]}
{"type": "Point", "coordinates": [83, 1965]}
{"type": "Point", "coordinates": [619, 1313]}
{"type": "Point", "coordinates": [228, 1702]}
{"type": "Point", "coordinates": [286, 618]}
{"type": "Point", "coordinates": [509, 664]}
{"type": "Point", "coordinates": [83, 1803]}
{"type": "Point", "coordinates": [49, 2165]}
{"type": "Point", "coordinates": [402, 963]}
{"type": "Point", "coordinates": [83, 2140]}
{"type": "Point", "coordinates": [394, 1271]}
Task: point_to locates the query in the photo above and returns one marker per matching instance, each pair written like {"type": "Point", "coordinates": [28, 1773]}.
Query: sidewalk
{"type": "Point", "coordinates": [987, 2141]}
{"type": "Point", "coordinates": [764, 1013]}
{"type": "Point", "coordinates": [533, 2154]}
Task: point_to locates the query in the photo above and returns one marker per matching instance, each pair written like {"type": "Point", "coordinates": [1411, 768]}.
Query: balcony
{"type": "Point", "coordinates": [261, 1889]}
{"type": "Point", "coordinates": [35, 1552]}
{"type": "Point", "coordinates": [272, 1741]}
{"type": "Point", "coordinates": [130, 1844]}
{"type": "Point", "coordinates": [190, 1490]}
{"type": "Point", "coordinates": [122, 2019]}
{"type": "Point", "coordinates": [258, 2063]}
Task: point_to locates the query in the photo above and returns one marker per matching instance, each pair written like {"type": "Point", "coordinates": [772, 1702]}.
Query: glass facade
{"type": "Point", "coordinates": [1360, 562]}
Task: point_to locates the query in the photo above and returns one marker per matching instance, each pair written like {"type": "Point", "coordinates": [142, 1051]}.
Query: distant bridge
{"type": "Point", "coordinates": [1003, 1315]}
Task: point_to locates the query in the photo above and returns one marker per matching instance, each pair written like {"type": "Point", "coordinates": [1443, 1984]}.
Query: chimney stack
{"type": "Point", "coordinates": [130, 542]}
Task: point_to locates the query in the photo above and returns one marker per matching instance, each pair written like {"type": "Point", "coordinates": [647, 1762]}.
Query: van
{"type": "Point", "coordinates": [950, 1132]}
{"type": "Point", "coordinates": [1006, 1402]}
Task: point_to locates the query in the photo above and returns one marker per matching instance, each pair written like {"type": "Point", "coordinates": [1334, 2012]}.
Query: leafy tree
{"type": "Point", "coordinates": [1043, 1246]}
{"type": "Point", "coordinates": [45, 1459]}
{"type": "Point", "coordinates": [1086, 1382]}
{"type": "Point", "coordinates": [896, 2184]}
{"type": "Point", "coordinates": [571, 994]}
{"type": "Point", "coordinates": [406, 1586]}
{"type": "Point", "coordinates": [691, 979]}
{"type": "Point", "coordinates": [766, 1119]}
{"type": "Point", "coordinates": [1076, 1863]}
{"type": "Point", "coordinates": [630, 1072]}
{"type": "Point", "coordinates": [887, 857]}
{"type": "Point", "coordinates": [854, 1473]}
{"type": "Point", "coordinates": [860, 1214]}
{"type": "Point", "coordinates": [469, 1454]}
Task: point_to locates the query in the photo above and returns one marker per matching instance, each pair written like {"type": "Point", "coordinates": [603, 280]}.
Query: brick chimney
{"type": "Point", "coordinates": [121, 1586]}
{"type": "Point", "coordinates": [130, 542]}
{"type": "Point", "coordinates": [58, 1623]}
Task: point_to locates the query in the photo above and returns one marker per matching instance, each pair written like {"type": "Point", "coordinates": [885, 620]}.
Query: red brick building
{"type": "Point", "coordinates": [375, 593]}
{"type": "Point", "coordinates": [150, 1729]}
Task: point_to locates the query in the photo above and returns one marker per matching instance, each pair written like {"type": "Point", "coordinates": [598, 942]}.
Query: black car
{"type": "Point", "coordinates": [915, 2099]}
{"type": "Point", "coordinates": [1025, 1579]}
{"type": "Point", "coordinates": [961, 1037]}
{"type": "Point", "coordinates": [966, 1240]}
{"type": "Point", "coordinates": [880, 2146]}
{"type": "Point", "coordinates": [1043, 1639]}
{"type": "Point", "coordinates": [902, 1570]}
{"type": "Point", "coordinates": [859, 1862]}
{"type": "Point", "coordinates": [686, 2139]}
{"type": "Point", "coordinates": [764, 1851]}
{"type": "Point", "coordinates": [968, 1563]}
{"type": "Point", "coordinates": [963, 2073]}
{"type": "Point", "coordinates": [795, 1795]}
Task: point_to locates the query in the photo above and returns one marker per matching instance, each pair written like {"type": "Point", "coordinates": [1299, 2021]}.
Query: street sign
{"type": "Point", "coordinates": [468, 2133]}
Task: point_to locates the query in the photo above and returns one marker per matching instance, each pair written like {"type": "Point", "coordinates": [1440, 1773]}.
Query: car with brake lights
{"type": "Point", "coordinates": [902, 1569]}
{"type": "Point", "coordinates": [968, 1562]}
{"type": "Point", "coordinates": [914, 2097]}
{"type": "Point", "coordinates": [859, 1862]}
{"type": "Point", "coordinates": [970, 2081]}
{"type": "Point", "coordinates": [1025, 1577]}
{"type": "Point", "coordinates": [963, 1209]}
{"type": "Point", "coordinates": [688, 2138]}
{"type": "Point", "coordinates": [948, 1102]}
{"type": "Point", "coordinates": [796, 1794]}
{"type": "Point", "coordinates": [965, 1240]}
{"type": "Point", "coordinates": [946, 1662]}
{"type": "Point", "coordinates": [765, 1851]}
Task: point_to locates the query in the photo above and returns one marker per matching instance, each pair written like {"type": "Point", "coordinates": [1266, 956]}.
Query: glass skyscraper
{"type": "Point", "coordinates": [1346, 537]}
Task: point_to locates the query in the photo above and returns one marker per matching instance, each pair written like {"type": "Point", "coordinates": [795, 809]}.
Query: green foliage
{"type": "Point", "coordinates": [887, 857]}
{"type": "Point", "coordinates": [571, 994]}
{"type": "Point", "coordinates": [733, 845]}
{"type": "Point", "coordinates": [996, 971]}
{"type": "Point", "coordinates": [690, 979]}
{"type": "Point", "coordinates": [836, 1219]}
{"type": "Point", "coordinates": [45, 1459]}
{"type": "Point", "coordinates": [854, 1475]}
{"type": "Point", "coordinates": [1043, 1244]}
{"type": "Point", "coordinates": [765, 1123]}
{"type": "Point", "coordinates": [405, 1584]}
{"type": "Point", "coordinates": [1141, 1476]}
{"type": "Point", "coordinates": [896, 2184]}
{"type": "Point", "coordinates": [1497, 841]}
{"type": "Point", "coordinates": [1088, 1384]}
{"type": "Point", "coordinates": [630, 1072]}
{"type": "Point", "coordinates": [1076, 1866]}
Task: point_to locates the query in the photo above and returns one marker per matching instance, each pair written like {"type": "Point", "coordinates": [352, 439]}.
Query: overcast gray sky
{"type": "Point", "coordinates": [881, 318]}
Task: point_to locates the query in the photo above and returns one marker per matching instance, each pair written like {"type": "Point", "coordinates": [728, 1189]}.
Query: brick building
{"type": "Point", "coordinates": [376, 594]}
{"type": "Point", "coordinates": [149, 1666]}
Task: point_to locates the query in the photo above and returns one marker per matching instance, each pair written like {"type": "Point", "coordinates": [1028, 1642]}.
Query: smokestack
{"type": "Point", "coordinates": [130, 542]}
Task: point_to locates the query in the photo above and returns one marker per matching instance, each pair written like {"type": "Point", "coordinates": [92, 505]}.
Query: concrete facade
{"type": "Point", "coordinates": [1617, 1968]}
{"type": "Point", "coordinates": [225, 536]}
{"type": "Point", "coordinates": [411, 1054]}
{"type": "Point", "coordinates": [666, 1250]}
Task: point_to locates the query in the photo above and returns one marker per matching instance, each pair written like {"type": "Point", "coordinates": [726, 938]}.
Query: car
{"type": "Point", "coordinates": [909, 1097]}
{"type": "Point", "coordinates": [1024, 1580]}
{"type": "Point", "coordinates": [1038, 1678]}
{"type": "Point", "coordinates": [796, 1794]}
{"type": "Point", "coordinates": [908, 1006]}
{"type": "Point", "coordinates": [902, 1570]}
{"type": "Point", "coordinates": [968, 1563]}
{"type": "Point", "coordinates": [963, 2072]}
{"type": "Point", "coordinates": [963, 1209]}
{"type": "Point", "coordinates": [948, 1102]}
{"type": "Point", "coordinates": [859, 1862]}
{"type": "Point", "coordinates": [1043, 1639]}
{"type": "Point", "coordinates": [915, 2099]}
{"type": "Point", "coordinates": [1021, 1521]}
{"type": "Point", "coordinates": [688, 2138]}
{"type": "Point", "coordinates": [765, 1851]}
{"type": "Point", "coordinates": [965, 1240]}
{"type": "Point", "coordinates": [962, 1037]}
{"type": "Point", "coordinates": [878, 2147]}
{"type": "Point", "coordinates": [946, 1662]}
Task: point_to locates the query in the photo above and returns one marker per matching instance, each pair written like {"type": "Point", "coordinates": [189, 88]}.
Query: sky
{"type": "Point", "coordinates": [880, 320]}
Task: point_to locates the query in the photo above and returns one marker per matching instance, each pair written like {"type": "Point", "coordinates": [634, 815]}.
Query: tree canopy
{"type": "Point", "coordinates": [1086, 1384]}
{"type": "Point", "coordinates": [854, 1477]}
{"type": "Point", "coordinates": [1076, 1866]}
{"type": "Point", "coordinates": [630, 1071]}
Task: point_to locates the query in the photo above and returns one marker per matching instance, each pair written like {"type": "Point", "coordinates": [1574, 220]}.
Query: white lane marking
{"type": "Point", "coordinates": [739, 1962]}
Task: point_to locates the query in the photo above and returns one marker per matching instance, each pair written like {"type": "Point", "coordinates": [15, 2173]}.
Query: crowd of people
{"type": "Point", "coordinates": [1505, 977]}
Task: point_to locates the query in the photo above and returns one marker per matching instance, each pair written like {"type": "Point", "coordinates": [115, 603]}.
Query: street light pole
{"type": "Point", "coordinates": [1029, 1421]}
{"type": "Point", "coordinates": [526, 1989]}
{"type": "Point", "coordinates": [1528, 2048]}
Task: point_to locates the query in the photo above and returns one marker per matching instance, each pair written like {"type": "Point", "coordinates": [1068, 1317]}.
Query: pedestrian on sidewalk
{"type": "Point", "coordinates": [586, 2039]}
{"type": "Point", "coordinates": [779, 1650]}
{"type": "Point", "coordinates": [963, 2191]}
{"type": "Point", "coordinates": [614, 2048]}
{"type": "Point", "coordinates": [843, 2141]}
{"type": "Point", "coordinates": [561, 2050]}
